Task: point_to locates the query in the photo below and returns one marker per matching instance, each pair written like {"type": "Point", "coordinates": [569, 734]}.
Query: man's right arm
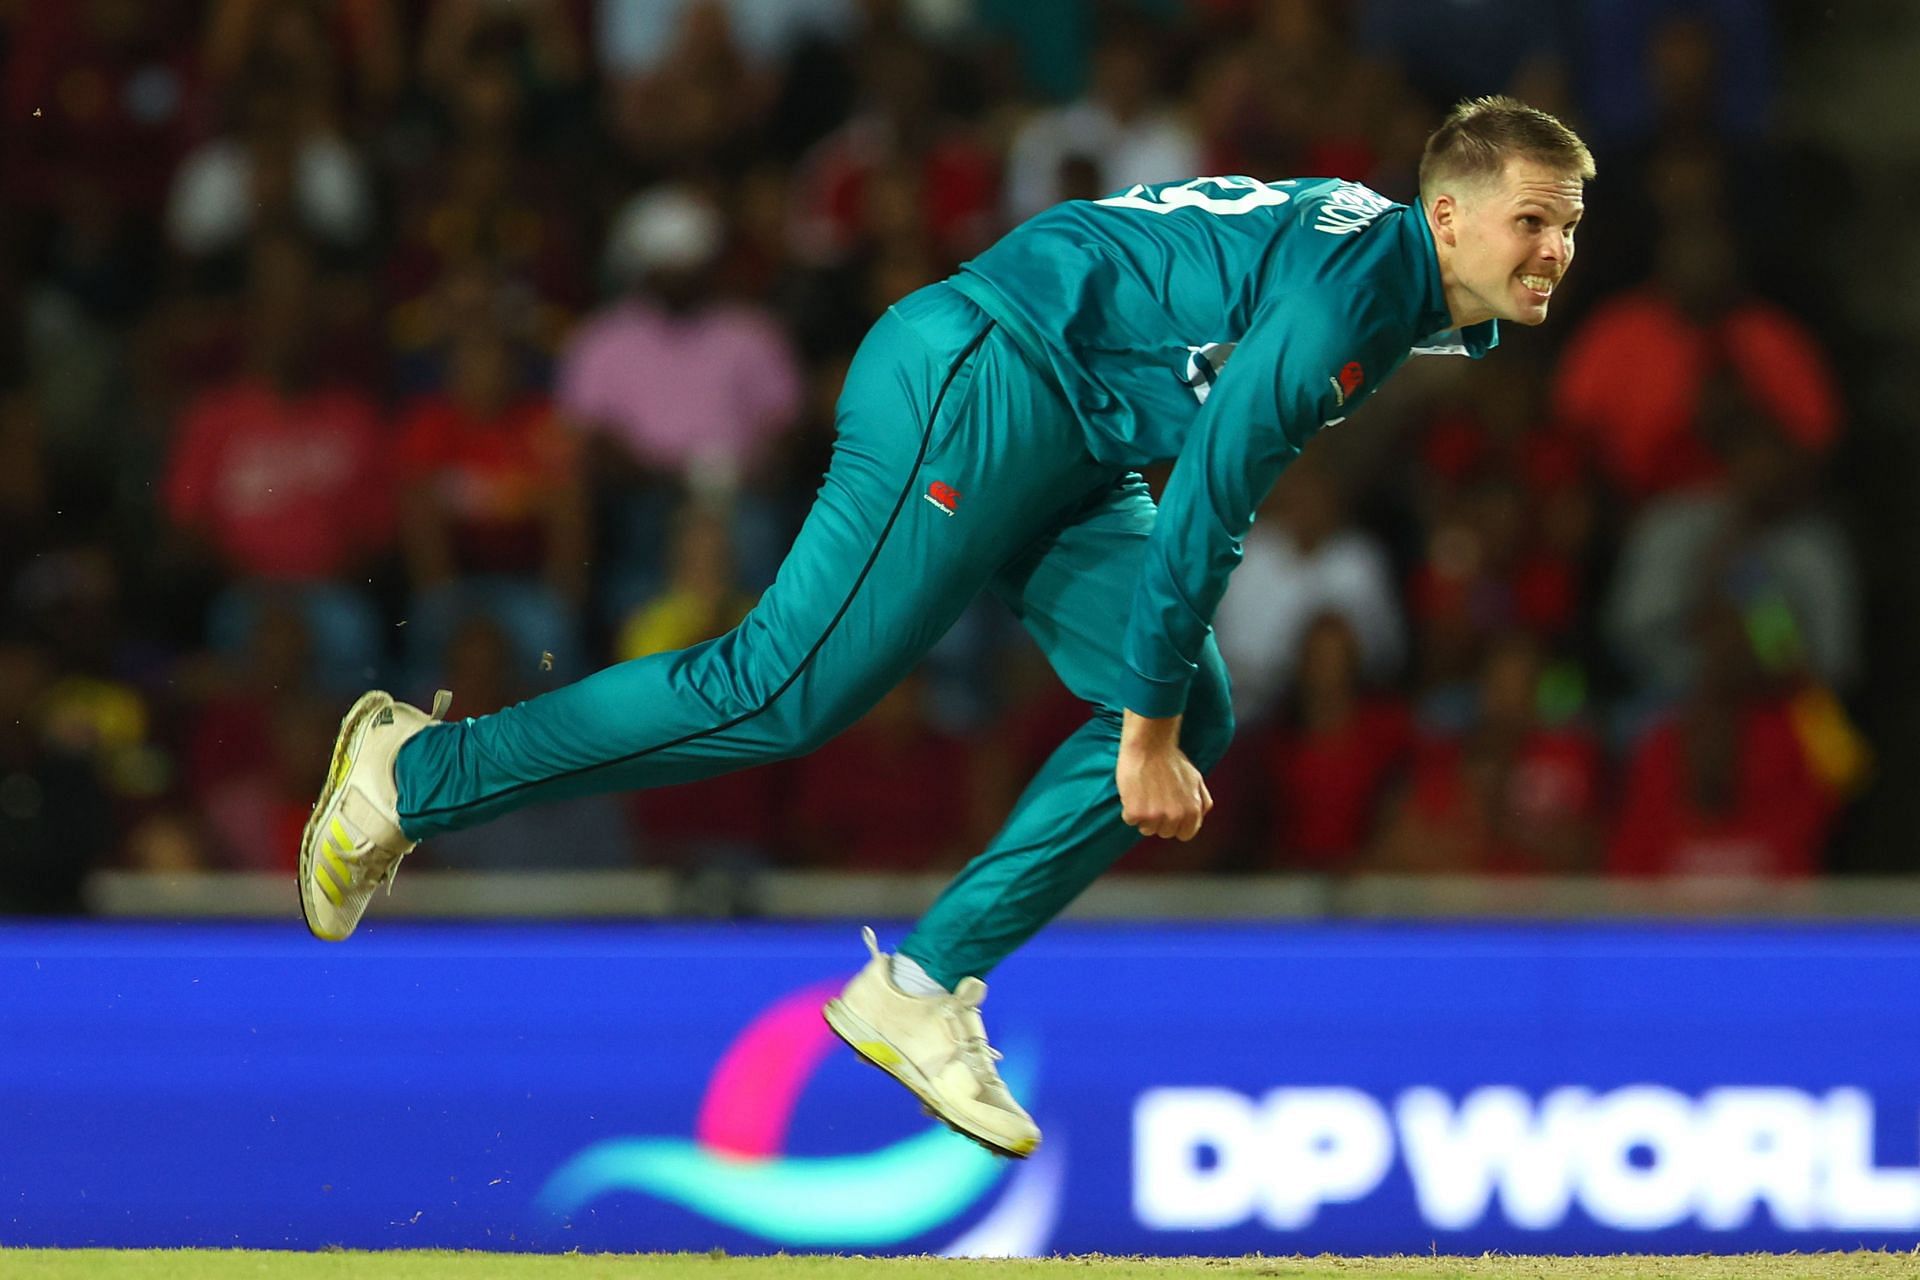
{"type": "Point", "coordinates": [1265, 405]}
{"type": "Point", "coordinates": [1161, 792]}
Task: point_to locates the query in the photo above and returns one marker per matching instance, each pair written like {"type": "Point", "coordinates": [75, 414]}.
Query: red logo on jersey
{"type": "Point", "coordinates": [943, 496]}
{"type": "Point", "coordinates": [1351, 377]}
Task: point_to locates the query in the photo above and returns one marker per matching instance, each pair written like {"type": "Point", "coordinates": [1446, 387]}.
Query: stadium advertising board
{"type": "Point", "coordinates": [1202, 1090]}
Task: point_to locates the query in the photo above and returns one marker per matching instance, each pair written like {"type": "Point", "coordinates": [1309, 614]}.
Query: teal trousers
{"type": "Point", "coordinates": [957, 467]}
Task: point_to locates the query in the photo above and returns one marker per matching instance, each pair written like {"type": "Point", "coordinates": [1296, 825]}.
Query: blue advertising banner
{"type": "Point", "coordinates": [1355, 1089]}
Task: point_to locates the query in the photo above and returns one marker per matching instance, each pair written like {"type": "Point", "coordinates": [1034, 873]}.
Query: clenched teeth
{"type": "Point", "coordinates": [1539, 284]}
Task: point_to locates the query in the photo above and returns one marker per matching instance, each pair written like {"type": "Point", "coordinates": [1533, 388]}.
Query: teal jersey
{"type": "Point", "coordinates": [1221, 323]}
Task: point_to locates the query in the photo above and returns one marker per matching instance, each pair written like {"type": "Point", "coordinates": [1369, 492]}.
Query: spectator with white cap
{"type": "Point", "coordinates": [675, 388]}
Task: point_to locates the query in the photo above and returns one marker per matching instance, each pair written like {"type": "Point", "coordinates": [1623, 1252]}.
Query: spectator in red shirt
{"type": "Point", "coordinates": [1486, 571]}
{"type": "Point", "coordinates": [492, 517]}
{"type": "Point", "coordinates": [259, 469]}
{"type": "Point", "coordinates": [1496, 424]}
{"type": "Point", "coordinates": [1511, 515]}
{"type": "Point", "coordinates": [939, 177]}
{"type": "Point", "coordinates": [1513, 794]}
{"type": "Point", "coordinates": [1723, 786]}
{"type": "Point", "coordinates": [1633, 374]}
{"type": "Point", "coordinates": [1334, 755]}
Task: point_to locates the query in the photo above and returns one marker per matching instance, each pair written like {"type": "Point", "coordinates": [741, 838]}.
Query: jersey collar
{"type": "Point", "coordinates": [1435, 321]}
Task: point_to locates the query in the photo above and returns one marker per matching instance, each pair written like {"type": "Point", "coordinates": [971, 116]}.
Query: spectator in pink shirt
{"type": "Point", "coordinates": [684, 384]}
{"type": "Point", "coordinates": [674, 389]}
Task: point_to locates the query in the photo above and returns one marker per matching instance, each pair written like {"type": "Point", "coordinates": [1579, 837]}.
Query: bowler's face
{"type": "Point", "coordinates": [1516, 239]}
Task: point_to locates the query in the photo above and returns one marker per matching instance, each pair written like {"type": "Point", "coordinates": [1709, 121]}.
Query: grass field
{"type": "Point", "coordinates": [214, 1264]}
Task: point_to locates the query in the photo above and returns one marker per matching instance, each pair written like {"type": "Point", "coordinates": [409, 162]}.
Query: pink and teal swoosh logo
{"type": "Point", "coordinates": [734, 1171]}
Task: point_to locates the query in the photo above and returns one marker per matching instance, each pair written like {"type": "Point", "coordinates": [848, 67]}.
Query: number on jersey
{"type": "Point", "coordinates": [1224, 196]}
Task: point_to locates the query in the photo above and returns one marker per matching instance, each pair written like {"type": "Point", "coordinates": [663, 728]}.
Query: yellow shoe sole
{"type": "Point", "coordinates": [871, 1049]}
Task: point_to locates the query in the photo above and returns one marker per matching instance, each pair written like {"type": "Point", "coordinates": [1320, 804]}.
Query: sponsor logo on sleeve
{"type": "Point", "coordinates": [1345, 383]}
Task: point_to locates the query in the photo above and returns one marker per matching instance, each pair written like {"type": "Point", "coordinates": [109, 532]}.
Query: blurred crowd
{"type": "Point", "coordinates": [480, 343]}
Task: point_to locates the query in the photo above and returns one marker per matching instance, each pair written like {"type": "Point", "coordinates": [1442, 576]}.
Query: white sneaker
{"type": "Point", "coordinates": [937, 1047]}
{"type": "Point", "coordinates": [353, 842]}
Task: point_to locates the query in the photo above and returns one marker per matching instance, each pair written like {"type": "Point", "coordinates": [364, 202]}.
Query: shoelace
{"type": "Point", "coordinates": [972, 1038]}
{"type": "Point", "coordinates": [385, 864]}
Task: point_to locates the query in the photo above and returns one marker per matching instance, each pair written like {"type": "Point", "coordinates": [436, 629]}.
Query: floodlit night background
{"type": "Point", "coordinates": [1561, 888]}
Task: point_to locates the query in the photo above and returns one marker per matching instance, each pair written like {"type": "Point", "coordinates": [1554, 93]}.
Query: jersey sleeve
{"type": "Point", "coordinates": [1282, 384]}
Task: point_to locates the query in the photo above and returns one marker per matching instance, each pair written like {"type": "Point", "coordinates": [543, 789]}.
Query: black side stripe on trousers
{"type": "Point", "coordinates": [899, 503]}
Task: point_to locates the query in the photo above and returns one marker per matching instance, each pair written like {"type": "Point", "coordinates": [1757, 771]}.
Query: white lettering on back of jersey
{"type": "Point", "coordinates": [1231, 195]}
{"type": "Point", "coordinates": [1350, 208]}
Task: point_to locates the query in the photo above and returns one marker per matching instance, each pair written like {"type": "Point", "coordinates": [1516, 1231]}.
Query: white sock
{"type": "Point", "coordinates": [912, 979]}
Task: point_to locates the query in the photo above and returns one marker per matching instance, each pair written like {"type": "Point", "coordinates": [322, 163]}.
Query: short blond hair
{"type": "Point", "coordinates": [1480, 135]}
